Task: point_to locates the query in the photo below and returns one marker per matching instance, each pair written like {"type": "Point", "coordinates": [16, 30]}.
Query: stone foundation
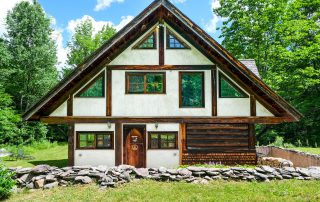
{"type": "Point", "coordinates": [46, 177]}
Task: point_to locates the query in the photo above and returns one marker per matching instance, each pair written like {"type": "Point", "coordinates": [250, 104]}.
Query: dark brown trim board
{"type": "Point", "coordinates": [70, 106]}
{"type": "Point", "coordinates": [109, 93]}
{"type": "Point", "coordinates": [161, 44]}
{"type": "Point", "coordinates": [118, 144]}
{"type": "Point", "coordinates": [253, 106]}
{"type": "Point", "coordinates": [71, 145]}
{"type": "Point", "coordinates": [160, 67]}
{"type": "Point", "coordinates": [214, 92]}
{"type": "Point", "coordinates": [252, 137]}
{"type": "Point", "coordinates": [210, 119]}
{"type": "Point", "coordinates": [182, 143]}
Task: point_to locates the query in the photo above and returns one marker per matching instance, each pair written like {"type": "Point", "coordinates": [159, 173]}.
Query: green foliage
{"type": "Point", "coordinates": [33, 54]}
{"type": "Point", "coordinates": [84, 43]}
{"type": "Point", "coordinates": [284, 39]}
{"type": "Point", "coordinates": [9, 119]}
{"type": "Point", "coordinates": [6, 182]}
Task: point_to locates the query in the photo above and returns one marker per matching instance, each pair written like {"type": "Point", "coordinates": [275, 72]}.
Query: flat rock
{"type": "Point", "coordinates": [185, 172]}
{"type": "Point", "coordinates": [172, 171]}
{"type": "Point", "coordinates": [21, 171]}
{"type": "Point", "coordinates": [303, 171]}
{"type": "Point", "coordinates": [41, 169]}
{"type": "Point", "coordinates": [51, 185]}
{"type": "Point", "coordinates": [261, 176]}
{"type": "Point", "coordinates": [50, 178]}
{"type": "Point", "coordinates": [141, 172]}
{"type": "Point", "coordinates": [39, 183]}
{"type": "Point", "coordinates": [267, 169]}
{"type": "Point", "coordinates": [83, 179]}
{"type": "Point", "coordinates": [162, 170]}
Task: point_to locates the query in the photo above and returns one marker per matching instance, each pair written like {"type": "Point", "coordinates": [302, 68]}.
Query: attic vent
{"type": "Point", "coordinates": [173, 41]}
{"type": "Point", "coordinates": [227, 89]}
{"type": "Point", "coordinates": [94, 89]}
{"type": "Point", "coordinates": [148, 42]}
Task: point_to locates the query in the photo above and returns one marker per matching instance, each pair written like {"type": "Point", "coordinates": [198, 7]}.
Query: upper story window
{"type": "Point", "coordinates": [94, 89]}
{"type": "Point", "coordinates": [227, 89]}
{"type": "Point", "coordinates": [148, 42]}
{"type": "Point", "coordinates": [173, 41]}
{"type": "Point", "coordinates": [95, 140]}
{"type": "Point", "coordinates": [163, 140]}
{"type": "Point", "coordinates": [191, 89]}
{"type": "Point", "coordinates": [145, 82]}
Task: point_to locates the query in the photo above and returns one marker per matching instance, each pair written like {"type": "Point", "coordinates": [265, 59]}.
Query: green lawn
{"type": "Point", "coordinates": [163, 191]}
{"type": "Point", "coordinates": [56, 155]}
{"type": "Point", "coordinates": [307, 149]}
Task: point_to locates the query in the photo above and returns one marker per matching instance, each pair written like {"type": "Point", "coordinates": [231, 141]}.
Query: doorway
{"type": "Point", "coordinates": [134, 145]}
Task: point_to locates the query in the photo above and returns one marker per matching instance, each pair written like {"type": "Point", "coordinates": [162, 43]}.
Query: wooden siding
{"type": "Point", "coordinates": [219, 143]}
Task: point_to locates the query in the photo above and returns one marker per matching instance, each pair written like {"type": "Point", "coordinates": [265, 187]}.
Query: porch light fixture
{"type": "Point", "coordinates": [156, 125]}
{"type": "Point", "coordinates": [109, 125]}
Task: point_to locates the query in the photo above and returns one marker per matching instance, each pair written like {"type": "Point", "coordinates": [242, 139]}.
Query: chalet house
{"type": "Point", "coordinates": [162, 92]}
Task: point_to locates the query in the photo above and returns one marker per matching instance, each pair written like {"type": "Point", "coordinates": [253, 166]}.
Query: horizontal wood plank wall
{"type": "Point", "coordinates": [218, 143]}
{"type": "Point", "coordinates": [71, 144]}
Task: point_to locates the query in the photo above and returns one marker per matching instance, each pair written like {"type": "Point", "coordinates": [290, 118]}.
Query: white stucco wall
{"type": "Point", "coordinates": [61, 110]}
{"type": "Point", "coordinates": [138, 56]}
{"type": "Point", "coordinates": [159, 157]}
{"type": "Point", "coordinates": [89, 107]}
{"type": "Point", "coordinates": [156, 104]}
{"type": "Point", "coordinates": [261, 110]}
{"type": "Point", "coordinates": [94, 157]}
{"type": "Point", "coordinates": [184, 56]}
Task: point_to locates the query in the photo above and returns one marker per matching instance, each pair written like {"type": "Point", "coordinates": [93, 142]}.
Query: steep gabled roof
{"type": "Point", "coordinates": [251, 64]}
{"type": "Point", "coordinates": [157, 11]}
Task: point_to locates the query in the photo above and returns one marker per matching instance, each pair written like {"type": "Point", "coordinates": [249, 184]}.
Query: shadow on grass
{"type": "Point", "coordinates": [58, 163]}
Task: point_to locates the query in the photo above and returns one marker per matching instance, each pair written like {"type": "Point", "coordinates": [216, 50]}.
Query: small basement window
{"type": "Point", "coordinates": [95, 140]}
{"type": "Point", "coordinates": [145, 83]}
{"type": "Point", "coordinates": [191, 89]}
{"type": "Point", "coordinates": [148, 42]}
{"type": "Point", "coordinates": [227, 89]}
{"type": "Point", "coordinates": [163, 140]}
{"type": "Point", "coordinates": [95, 88]}
{"type": "Point", "coordinates": [173, 41]}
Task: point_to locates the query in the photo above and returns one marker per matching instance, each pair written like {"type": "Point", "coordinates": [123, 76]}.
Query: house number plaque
{"type": "Point", "coordinates": [134, 147]}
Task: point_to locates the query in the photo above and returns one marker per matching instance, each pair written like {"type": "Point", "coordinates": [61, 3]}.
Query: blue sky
{"type": "Point", "coordinates": [66, 14]}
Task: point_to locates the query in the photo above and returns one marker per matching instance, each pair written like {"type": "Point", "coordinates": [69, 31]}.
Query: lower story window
{"type": "Point", "coordinates": [163, 140]}
{"type": "Point", "coordinates": [95, 140]}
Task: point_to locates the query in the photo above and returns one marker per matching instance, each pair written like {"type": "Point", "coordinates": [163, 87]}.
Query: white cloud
{"type": "Point", "coordinates": [62, 52]}
{"type": "Point", "coordinates": [102, 4]}
{"type": "Point", "coordinates": [6, 5]}
{"type": "Point", "coordinates": [124, 21]}
{"type": "Point", "coordinates": [98, 25]}
{"type": "Point", "coordinates": [212, 25]}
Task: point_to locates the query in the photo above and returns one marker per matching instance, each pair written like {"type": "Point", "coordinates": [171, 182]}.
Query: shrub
{"type": "Point", "coordinates": [6, 182]}
{"type": "Point", "coordinates": [278, 142]}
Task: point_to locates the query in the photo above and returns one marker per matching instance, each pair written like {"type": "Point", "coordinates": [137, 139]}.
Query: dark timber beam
{"type": "Point", "coordinates": [214, 91]}
{"type": "Point", "coordinates": [250, 119]}
{"type": "Point", "coordinates": [109, 92]}
{"type": "Point", "coordinates": [160, 67]}
{"type": "Point", "coordinates": [71, 144]}
{"type": "Point", "coordinates": [118, 144]}
{"type": "Point", "coordinates": [253, 106]}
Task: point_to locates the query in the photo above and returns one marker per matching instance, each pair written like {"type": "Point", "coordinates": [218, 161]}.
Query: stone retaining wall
{"type": "Point", "coordinates": [299, 159]}
{"type": "Point", "coordinates": [46, 177]}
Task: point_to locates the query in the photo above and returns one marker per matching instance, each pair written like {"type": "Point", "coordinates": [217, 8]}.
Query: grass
{"type": "Point", "coordinates": [53, 154]}
{"type": "Point", "coordinates": [144, 190]}
{"type": "Point", "coordinates": [308, 149]}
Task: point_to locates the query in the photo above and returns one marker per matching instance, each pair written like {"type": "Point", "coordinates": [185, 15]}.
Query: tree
{"type": "Point", "coordinates": [283, 37]}
{"type": "Point", "coordinates": [33, 54]}
{"type": "Point", "coordinates": [9, 119]}
{"type": "Point", "coordinates": [4, 62]}
{"type": "Point", "coordinates": [84, 43]}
